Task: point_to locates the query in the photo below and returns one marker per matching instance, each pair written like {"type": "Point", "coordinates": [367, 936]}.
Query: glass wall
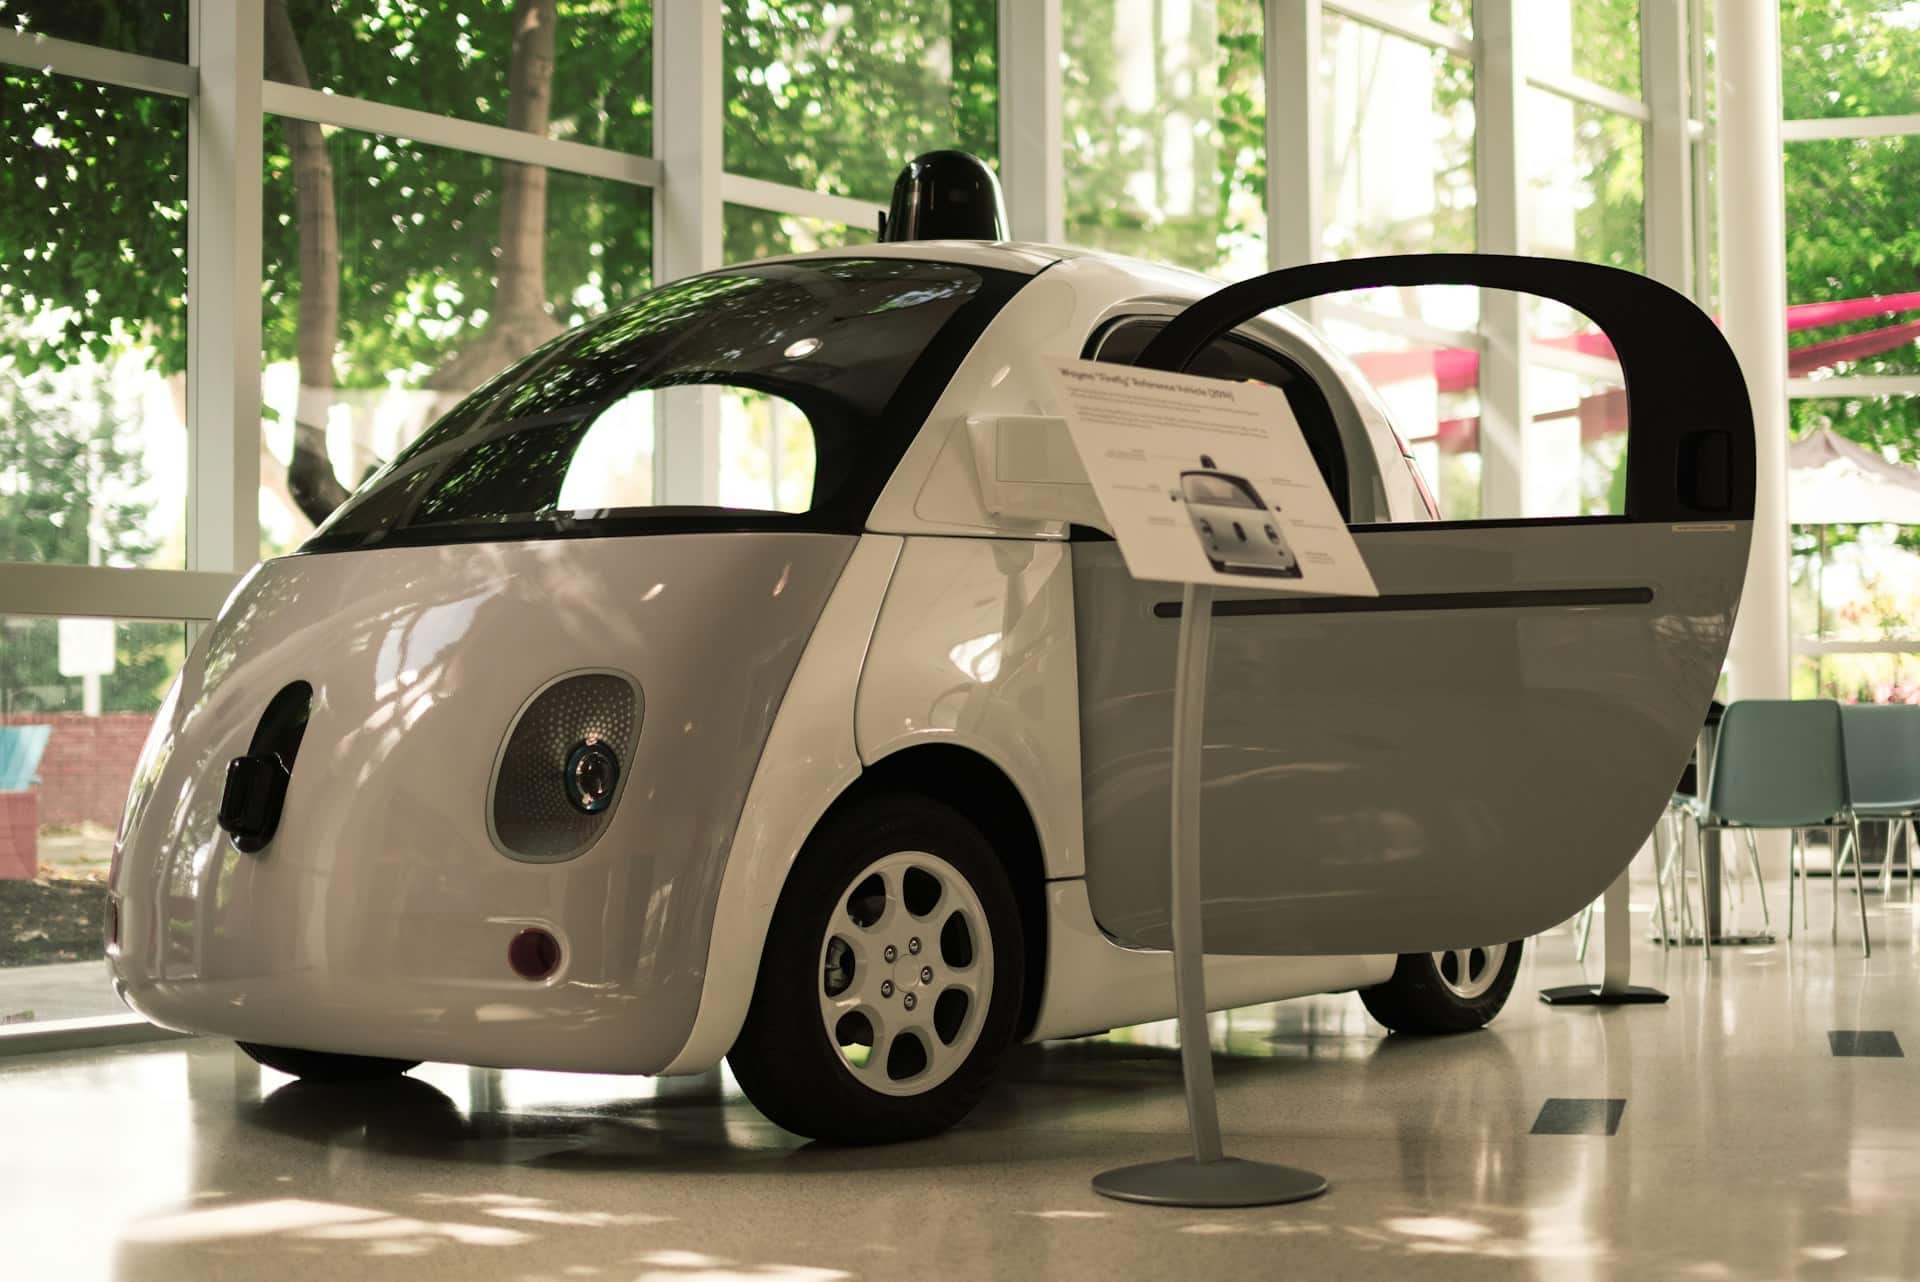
{"type": "Point", "coordinates": [437, 269]}
{"type": "Point", "coordinates": [151, 28]}
{"type": "Point", "coordinates": [1582, 138]}
{"type": "Point", "coordinates": [581, 72]}
{"type": "Point", "coordinates": [93, 446]}
{"type": "Point", "coordinates": [1164, 110]}
{"type": "Point", "coordinates": [94, 473]}
{"type": "Point", "coordinates": [1853, 343]}
{"type": "Point", "coordinates": [836, 97]}
{"type": "Point", "coordinates": [77, 697]}
{"type": "Point", "coordinates": [447, 184]}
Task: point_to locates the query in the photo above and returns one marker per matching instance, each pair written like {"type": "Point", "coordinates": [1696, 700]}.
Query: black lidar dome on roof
{"type": "Point", "coordinates": [946, 195]}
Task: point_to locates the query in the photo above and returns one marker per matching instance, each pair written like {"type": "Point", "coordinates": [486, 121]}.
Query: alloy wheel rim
{"type": "Point", "coordinates": [1468, 973]}
{"type": "Point", "coordinates": [905, 973]}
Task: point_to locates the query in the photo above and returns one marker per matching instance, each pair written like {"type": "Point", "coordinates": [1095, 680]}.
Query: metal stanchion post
{"type": "Point", "coordinates": [1209, 1177]}
{"type": "Point", "coordinates": [1613, 988]}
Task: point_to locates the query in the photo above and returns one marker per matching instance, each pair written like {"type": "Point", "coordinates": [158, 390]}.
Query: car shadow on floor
{"type": "Point", "coordinates": [1060, 1097]}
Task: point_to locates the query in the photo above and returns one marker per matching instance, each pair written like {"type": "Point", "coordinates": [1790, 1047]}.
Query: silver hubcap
{"type": "Point", "coordinates": [906, 972]}
{"type": "Point", "coordinates": [1470, 972]}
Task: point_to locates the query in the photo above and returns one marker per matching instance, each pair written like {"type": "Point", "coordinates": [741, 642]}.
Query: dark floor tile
{"type": "Point", "coordinates": [1579, 1117]}
{"type": "Point", "coordinates": [1875, 1043]}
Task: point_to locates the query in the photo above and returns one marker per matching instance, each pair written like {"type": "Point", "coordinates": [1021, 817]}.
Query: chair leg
{"type": "Point", "coordinates": [1793, 868]}
{"type": "Point", "coordinates": [1659, 886]}
{"type": "Point", "coordinates": [1912, 836]}
{"type": "Point", "coordinates": [1759, 882]}
{"type": "Point", "coordinates": [1886, 861]}
{"type": "Point", "coordinates": [1860, 889]}
{"type": "Point", "coordinates": [1679, 874]}
{"type": "Point", "coordinates": [1700, 866]}
{"type": "Point", "coordinates": [1840, 860]}
{"type": "Point", "coordinates": [1585, 930]}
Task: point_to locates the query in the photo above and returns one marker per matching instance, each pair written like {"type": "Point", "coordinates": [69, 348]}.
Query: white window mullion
{"type": "Point", "coordinates": [224, 344]}
{"type": "Point", "coordinates": [1388, 17]}
{"type": "Point", "coordinates": [1840, 127]}
{"type": "Point", "coordinates": [1032, 160]}
{"type": "Point", "coordinates": [688, 227]}
{"type": "Point", "coordinates": [1852, 387]}
{"type": "Point", "coordinates": [1501, 229]}
{"type": "Point", "coordinates": [1295, 173]}
{"type": "Point", "coordinates": [497, 141]}
{"type": "Point", "coordinates": [89, 62]}
{"type": "Point", "coordinates": [1575, 89]}
{"type": "Point", "coordinates": [738, 189]}
{"type": "Point", "coordinates": [113, 592]}
{"type": "Point", "coordinates": [1669, 207]}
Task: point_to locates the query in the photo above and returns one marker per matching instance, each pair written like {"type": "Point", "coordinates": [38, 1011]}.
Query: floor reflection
{"type": "Point", "coordinates": [1746, 1150]}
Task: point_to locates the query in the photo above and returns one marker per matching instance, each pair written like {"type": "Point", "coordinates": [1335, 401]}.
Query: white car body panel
{"type": "Point", "coordinates": [978, 645]}
{"type": "Point", "coordinates": [811, 757]}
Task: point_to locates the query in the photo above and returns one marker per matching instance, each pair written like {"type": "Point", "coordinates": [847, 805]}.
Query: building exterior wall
{"type": "Point", "coordinates": [87, 766]}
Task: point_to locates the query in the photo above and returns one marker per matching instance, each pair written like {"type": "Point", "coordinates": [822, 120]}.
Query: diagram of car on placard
{"type": "Point", "coordinates": [1234, 524]}
{"type": "Point", "coordinates": [542, 753]}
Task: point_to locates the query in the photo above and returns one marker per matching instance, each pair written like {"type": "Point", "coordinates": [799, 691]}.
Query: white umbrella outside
{"type": "Point", "coordinates": [1833, 481]}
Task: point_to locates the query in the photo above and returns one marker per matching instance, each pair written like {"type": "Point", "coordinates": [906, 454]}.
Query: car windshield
{"type": "Point", "coordinates": [794, 386]}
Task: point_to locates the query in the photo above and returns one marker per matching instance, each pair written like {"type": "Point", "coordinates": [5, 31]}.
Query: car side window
{"type": "Point", "coordinates": [1243, 360]}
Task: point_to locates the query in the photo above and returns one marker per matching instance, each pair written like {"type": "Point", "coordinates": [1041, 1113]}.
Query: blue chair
{"type": "Point", "coordinates": [1883, 772]}
{"type": "Point", "coordinates": [21, 748]}
{"type": "Point", "coordinates": [1782, 763]}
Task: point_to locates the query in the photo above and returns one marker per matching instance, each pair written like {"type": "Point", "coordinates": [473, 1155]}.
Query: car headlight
{"type": "Point", "coordinates": [557, 778]}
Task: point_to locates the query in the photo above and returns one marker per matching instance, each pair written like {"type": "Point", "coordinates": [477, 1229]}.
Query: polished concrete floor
{"type": "Point", "coordinates": [1746, 1148]}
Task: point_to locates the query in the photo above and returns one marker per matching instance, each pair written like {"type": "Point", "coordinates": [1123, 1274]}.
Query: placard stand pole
{"type": "Point", "coordinates": [1617, 938]}
{"type": "Point", "coordinates": [1209, 1177]}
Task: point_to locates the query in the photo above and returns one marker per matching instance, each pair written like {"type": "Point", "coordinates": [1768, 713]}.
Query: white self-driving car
{"type": "Point", "coordinates": [509, 766]}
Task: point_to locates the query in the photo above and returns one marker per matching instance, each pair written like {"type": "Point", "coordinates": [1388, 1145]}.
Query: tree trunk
{"type": "Point", "coordinates": [519, 321]}
{"type": "Point", "coordinates": [310, 479]}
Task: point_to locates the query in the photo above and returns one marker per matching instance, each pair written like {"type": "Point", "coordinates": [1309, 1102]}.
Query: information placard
{"type": "Point", "coordinates": [1207, 481]}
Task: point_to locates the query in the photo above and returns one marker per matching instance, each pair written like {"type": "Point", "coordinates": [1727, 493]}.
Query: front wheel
{"type": "Point", "coordinates": [891, 979]}
{"type": "Point", "coordinates": [1455, 991]}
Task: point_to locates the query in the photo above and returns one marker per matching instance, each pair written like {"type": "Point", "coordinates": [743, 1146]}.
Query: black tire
{"type": "Point", "coordinates": [325, 1066]}
{"type": "Point", "coordinates": [785, 1059]}
{"type": "Point", "coordinates": [1423, 997]}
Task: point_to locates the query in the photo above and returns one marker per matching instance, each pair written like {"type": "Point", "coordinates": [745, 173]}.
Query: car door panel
{"type": "Point", "coordinates": [1454, 768]}
{"type": "Point", "coordinates": [1475, 754]}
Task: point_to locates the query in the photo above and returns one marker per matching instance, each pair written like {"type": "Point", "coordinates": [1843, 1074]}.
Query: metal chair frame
{"type": "Point", "coordinates": [1849, 825]}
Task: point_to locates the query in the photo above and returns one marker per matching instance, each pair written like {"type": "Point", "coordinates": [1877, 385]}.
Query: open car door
{"type": "Point", "coordinates": [1356, 802]}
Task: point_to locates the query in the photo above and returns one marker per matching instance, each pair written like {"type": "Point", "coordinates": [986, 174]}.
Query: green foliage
{"type": "Point", "coordinates": [1849, 58]}
{"type": "Point", "coordinates": [831, 96]}
{"type": "Point", "coordinates": [1606, 43]}
{"type": "Point", "coordinates": [838, 97]}
{"type": "Point", "coordinates": [1853, 206]}
{"type": "Point", "coordinates": [1130, 187]}
{"type": "Point", "coordinates": [93, 246]}
{"type": "Point", "coordinates": [156, 28]}
{"type": "Point", "coordinates": [418, 224]}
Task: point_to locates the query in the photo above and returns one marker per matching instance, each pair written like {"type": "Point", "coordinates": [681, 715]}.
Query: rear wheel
{"type": "Point", "coordinates": [325, 1066]}
{"type": "Point", "coordinates": [1454, 991]}
{"type": "Point", "coordinates": [891, 979]}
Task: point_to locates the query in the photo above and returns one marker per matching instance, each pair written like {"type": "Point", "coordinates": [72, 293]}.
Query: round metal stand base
{"type": "Point", "coordinates": [1597, 995]}
{"type": "Point", "coordinates": [1231, 1181]}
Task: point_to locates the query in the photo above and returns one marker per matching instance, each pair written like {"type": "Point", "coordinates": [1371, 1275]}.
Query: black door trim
{"type": "Point", "coordinates": [1509, 599]}
{"type": "Point", "coordinates": [1690, 451]}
